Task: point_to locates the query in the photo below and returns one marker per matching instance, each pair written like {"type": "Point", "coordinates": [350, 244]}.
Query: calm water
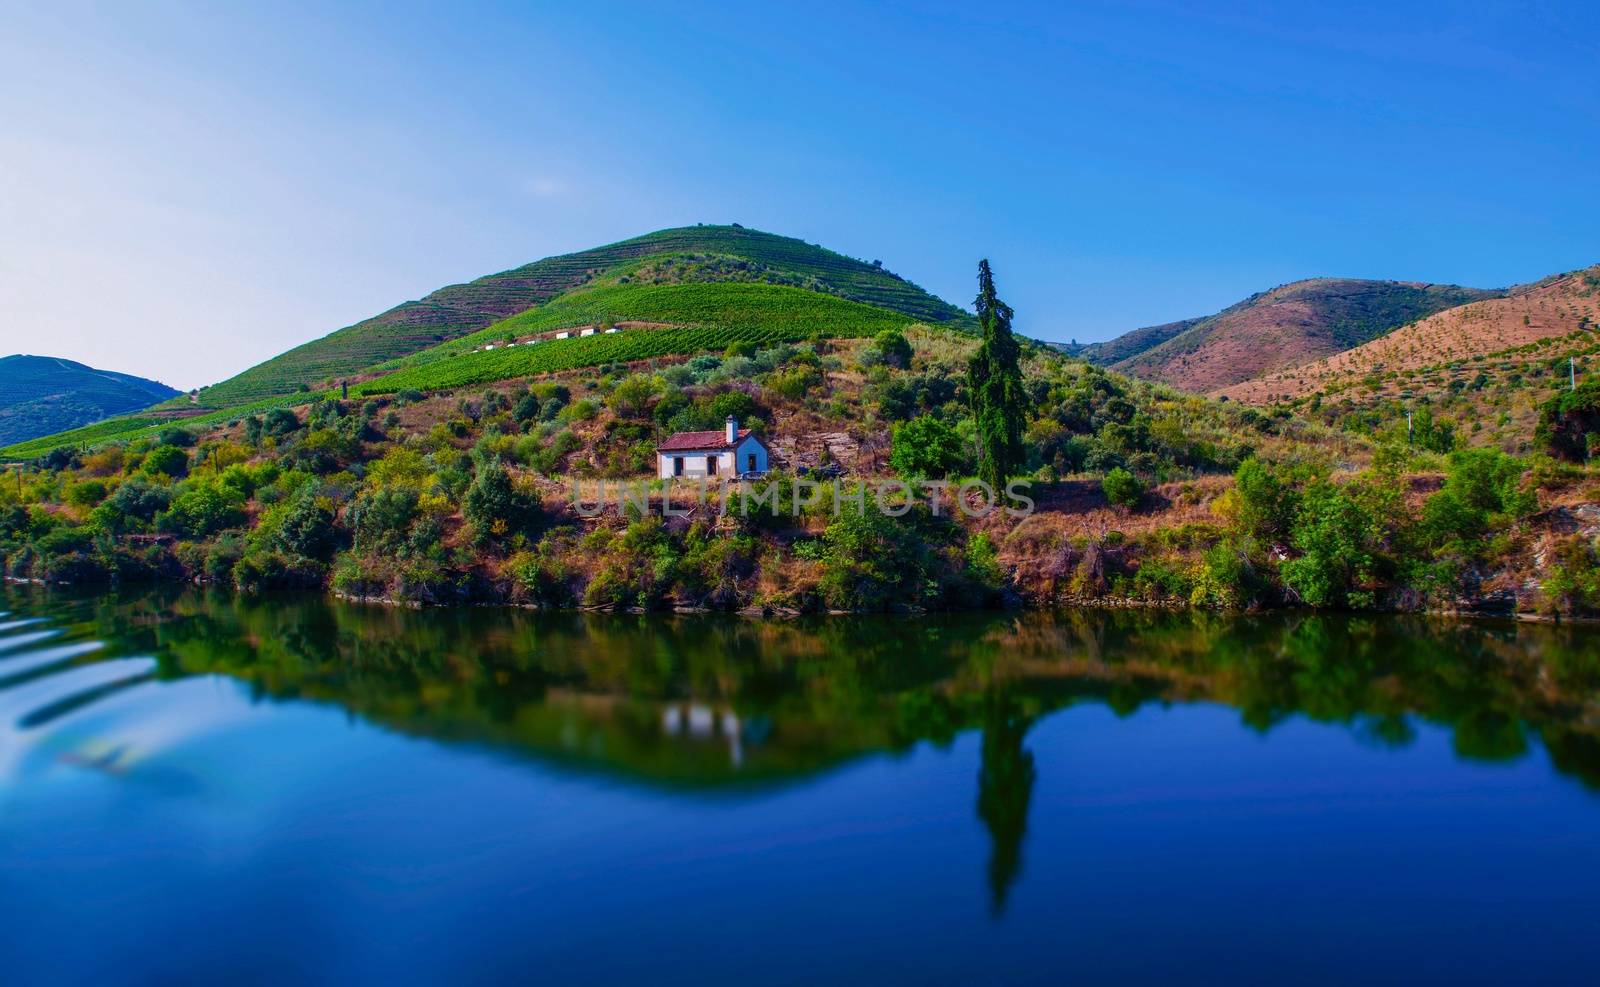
{"type": "Point", "coordinates": [201, 788]}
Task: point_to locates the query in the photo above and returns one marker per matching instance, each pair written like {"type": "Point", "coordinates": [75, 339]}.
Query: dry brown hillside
{"type": "Point", "coordinates": [1290, 325]}
{"type": "Point", "coordinates": [1552, 308]}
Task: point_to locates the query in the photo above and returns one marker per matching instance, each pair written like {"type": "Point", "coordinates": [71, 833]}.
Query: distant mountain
{"type": "Point", "coordinates": [41, 395]}
{"type": "Point", "coordinates": [1497, 337]}
{"type": "Point", "coordinates": [1274, 330]}
{"type": "Point", "coordinates": [717, 253]}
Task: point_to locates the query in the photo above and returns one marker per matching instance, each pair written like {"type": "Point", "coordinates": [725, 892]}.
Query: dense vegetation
{"type": "Point", "coordinates": [453, 472]}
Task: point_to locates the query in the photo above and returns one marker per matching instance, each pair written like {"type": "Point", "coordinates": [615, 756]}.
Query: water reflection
{"type": "Point", "coordinates": [704, 706]}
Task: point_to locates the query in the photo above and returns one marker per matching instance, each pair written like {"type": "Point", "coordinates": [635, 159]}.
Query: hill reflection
{"type": "Point", "coordinates": [712, 706]}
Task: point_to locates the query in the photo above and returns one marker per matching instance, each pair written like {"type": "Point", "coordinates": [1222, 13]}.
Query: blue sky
{"type": "Point", "coordinates": [185, 191]}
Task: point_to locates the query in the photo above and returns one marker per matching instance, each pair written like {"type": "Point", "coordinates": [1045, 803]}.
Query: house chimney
{"type": "Point", "coordinates": [733, 430]}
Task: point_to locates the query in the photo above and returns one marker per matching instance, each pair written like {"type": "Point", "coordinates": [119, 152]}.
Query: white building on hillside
{"type": "Point", "coordinates": [732, 452]}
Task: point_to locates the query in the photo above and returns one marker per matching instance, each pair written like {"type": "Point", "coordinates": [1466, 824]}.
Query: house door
{"type": "Point", "coordinates": [711, 465]}
{"type": "Point", "coordinates": [677, 465]}
{"type": "Point", "coordinates": [750, 463]}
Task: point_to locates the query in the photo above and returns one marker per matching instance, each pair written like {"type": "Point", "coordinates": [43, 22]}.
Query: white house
{"type": "Point", "coordinates": [732, 452]}
{"type": "Point", "coordinates": [586, 332]}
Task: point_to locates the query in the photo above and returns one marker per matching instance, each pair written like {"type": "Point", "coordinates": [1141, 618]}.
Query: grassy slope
{"type": "Point", "coordinates": [40, 395]}
{"type": "Point", "coordinates": [457, 310]}
{"type": "Point", "coordinates": [1289, 325]}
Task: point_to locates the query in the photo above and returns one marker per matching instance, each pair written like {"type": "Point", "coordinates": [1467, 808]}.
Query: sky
{"type": "Point", "coordinates": [188, 189]}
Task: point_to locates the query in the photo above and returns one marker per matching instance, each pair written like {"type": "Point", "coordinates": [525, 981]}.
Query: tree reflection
{"type": "Point", "coordinates": [785, 701]}
{"type": "Point", "coordinates": [1005, 788]}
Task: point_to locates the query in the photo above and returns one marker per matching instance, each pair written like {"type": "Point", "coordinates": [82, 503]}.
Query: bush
{"type": "Point", "coordinates": [86, 494]}
{"type": "Point", "coordinates": [1568, 419]}
{"type": "Point", "coordinates": [925, 447]}
{"type": "Point", "coordinates": [631, 398]}
{"type": "Point", "coordinates": [893, 346]}
{"type": "Point", "coordinates": [1122, 488]}
{"type": "Point", "coordinates": [1573, 583]}
{"type": "Point", "coordinates": [306, 526]}
{"type": "Point", "coordinates": [1336, 535]}
{"type": "Point", "coordinates": [134, 504]}
{"type": "Point", "coordinates": [495, 508]}
{"type": "Point", "coordinates": [279, 422]}
{"type": "Point", "coordinates": [873, 562]}
{"type": "Point", "coordinates": [172, 435]}
{"type": "Point", "coordinates": [202, 511]}
{"type": "Point", "coordinates": [1266, 503]}
{"type": "Point", "coordinates": [165, 461]}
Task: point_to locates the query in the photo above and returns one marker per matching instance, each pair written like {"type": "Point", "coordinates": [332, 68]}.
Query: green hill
{"type": "Point", "coordinates": [688, 254]}
{"type": "Point", "coordinates": [41, 395]}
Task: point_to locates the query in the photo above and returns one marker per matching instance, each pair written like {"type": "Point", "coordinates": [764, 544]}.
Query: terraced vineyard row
{"type": "Point", "coordinates": [485, 367]}
{"type": "Point", "coordinates": [716, 304]}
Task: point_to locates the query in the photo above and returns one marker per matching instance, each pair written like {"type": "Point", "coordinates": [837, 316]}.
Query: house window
{"type": "Point", "coordinates": [677, 465]}
{"type": "Point", "coordinates": [750, 463]}
{"type": "Point", "coordinates": [711, 466]}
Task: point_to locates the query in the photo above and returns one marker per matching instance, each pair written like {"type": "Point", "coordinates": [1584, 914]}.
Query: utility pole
{"type": "Point", "coordinates": [1408, 426]}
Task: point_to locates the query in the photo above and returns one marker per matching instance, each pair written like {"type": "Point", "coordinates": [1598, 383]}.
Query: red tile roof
{"type": "Point", "coordinates": [695, 441]}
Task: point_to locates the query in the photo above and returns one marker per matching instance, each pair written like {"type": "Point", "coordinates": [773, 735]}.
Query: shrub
{"type": "Point", "coordinates": [382, 519]}
{"type": "Point", "coordinates": [495, 508]}
{"type": "Point", "coordinates": [894, 347]}
{"type": "Point", "coordinates": [165, 461]}
{"type": "Point", "coordinates": [1336, 535]}
{"type": "Point", "coordinates": [279, 422]}
{"type": "Point", "coordinates": [1266, 503]}
{"type": "Point", "coordinates": [172, 435]}
{"type": "Point", "coordinates": [872, 562]}
{"type": "Point", "coordinates": [1567, 420]}
{"type": "Point", "coordinates": [202, 511]}
{"type": "Point", "coordinates": [133, 504]}
{"type": "Point", "coordinates": [306, 526]}
{"type": "Point", "coordinates": [86, 494]}
{"type": "Point", "coordinates": [1573, 583]}
{"type": "Point", "coordinates": [925, 447]}
{"type": "Point", "coordinates": [631, 398]}
{"type": "Point", "coordinates": [1122, 488]}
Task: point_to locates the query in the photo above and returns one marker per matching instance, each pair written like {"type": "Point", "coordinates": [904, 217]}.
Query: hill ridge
{"type": "Point", "coordinates": [456, 310]}
{"type": "Point", "coordinates": [42, 395]}
{"type": "Point", "coordinates": [1270, 330]}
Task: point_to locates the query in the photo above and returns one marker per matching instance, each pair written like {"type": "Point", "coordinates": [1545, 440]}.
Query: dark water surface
{"type": "Point", "coordinates": [204, 789]}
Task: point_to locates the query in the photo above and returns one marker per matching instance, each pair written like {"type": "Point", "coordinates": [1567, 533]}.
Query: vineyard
{"type": "Point", "coordinates": [720, 305]}
{"type": "Point", "coordinates": [570, 354]}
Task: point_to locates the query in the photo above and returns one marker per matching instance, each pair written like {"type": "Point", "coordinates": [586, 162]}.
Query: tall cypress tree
{"type": "Point", "coordinates": [994, 379]}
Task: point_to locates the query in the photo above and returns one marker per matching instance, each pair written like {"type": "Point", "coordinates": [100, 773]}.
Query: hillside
{"type": "Point", "coordinates": [1271, 331]}
{"type": "Point", "coordinates": [693, 253]}
{"type": "Point", "coordinates": [41, 395]}
{"type": "Point", "coordinates": [1557, 307]}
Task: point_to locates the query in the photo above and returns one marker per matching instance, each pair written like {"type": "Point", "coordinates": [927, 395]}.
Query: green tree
{"type": "Point", "coordinates": [166, 461]}
{"type": "Point", "coordinates": [1336, 534]}
{"type": "Point", "coordinates": [925, 447]}
{"type": "Point", "coordinates": [494, 507]}
{"type": "Point", "coordinates": [994, 377]}
{"type": "Point", "coordinates": [895, 348]}
{"type": "Point", "coordinates": [1122, 488]}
